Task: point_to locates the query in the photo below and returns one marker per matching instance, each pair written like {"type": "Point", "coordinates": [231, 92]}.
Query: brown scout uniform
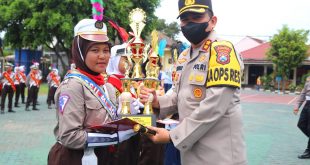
{"type": "Point", "coordinates": [82, 109]}
{"type": "Point", "coordinates": [210, 130]}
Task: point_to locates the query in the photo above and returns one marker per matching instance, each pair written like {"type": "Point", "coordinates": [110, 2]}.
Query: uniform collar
{"type": "Point", "coordinates": [205, 46]}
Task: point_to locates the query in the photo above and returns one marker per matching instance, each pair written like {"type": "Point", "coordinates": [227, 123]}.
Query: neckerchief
{"type": "Point", "coordinates": [99, 80]}
{"type": "Point", "coordinates": [116, 82]}
{"type": "Point", "coordinates": [97, 91]}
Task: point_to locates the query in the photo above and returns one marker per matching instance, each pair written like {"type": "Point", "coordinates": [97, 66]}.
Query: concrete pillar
{"type": "Point", "coordinates": [265, 70]}
{"type": "Point", "coordinates": [246, 75]}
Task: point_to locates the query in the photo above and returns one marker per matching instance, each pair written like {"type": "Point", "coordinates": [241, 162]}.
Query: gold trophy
{"type": "Point", "coordinates": [137, 49]}
{"type": "Point", "coordinates": [137, 18]}
{"type": "Point", "coordinates": [152, 72]}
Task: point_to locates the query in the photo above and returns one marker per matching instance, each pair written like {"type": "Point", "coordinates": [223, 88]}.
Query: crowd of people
{"type": "Point", "coordinates": [14, 82]}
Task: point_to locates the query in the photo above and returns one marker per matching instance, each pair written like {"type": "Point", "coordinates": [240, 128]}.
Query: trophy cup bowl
{"type": "Point", "coordinates": [125, 98]}
{"type": "Point", "coordinates": [137, 57]}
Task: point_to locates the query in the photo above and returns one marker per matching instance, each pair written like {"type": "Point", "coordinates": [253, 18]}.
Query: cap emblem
{"type": "Point", "coordinates": [99, 24]}
{"type": "Point", "coordinates": [189, 2]}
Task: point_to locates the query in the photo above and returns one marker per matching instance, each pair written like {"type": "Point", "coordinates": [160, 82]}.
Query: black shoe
{"type": "Point", "coordinates": [305, 155]}
{"type": "Point", "coordinates": [35, 109]}
{"type": "Point", "coordinates": [17, 106]}
{"type": "Point", "coordinates": [23, 102]}
{"type": "Point", "coordinates": [27, 109]}
{"type": "Point", "coordinates": [11, 111]}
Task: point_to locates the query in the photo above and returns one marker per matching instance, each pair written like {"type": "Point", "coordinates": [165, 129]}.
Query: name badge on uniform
{"type": "Point", "coordinates": [200, 67]}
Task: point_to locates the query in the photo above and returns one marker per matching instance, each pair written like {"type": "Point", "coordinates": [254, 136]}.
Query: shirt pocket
{"type": "Point", "coordinates": [95, 113]}
{"type": "Point", "coordinates": [93, 104]}
{"type": "Point", "coordinates": [197, 85]}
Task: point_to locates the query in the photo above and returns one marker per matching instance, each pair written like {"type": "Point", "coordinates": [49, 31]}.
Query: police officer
{"type": "Point", "coordinates": [33, 82]}
{"type": "Point", "coordinates": [206, 94]}
{"type": "Point", "coordinates": [53, 80]}
{"type": "Point", "coordinates": [304, 119]}
{"type": "Point", "coordinates": [8, 87]}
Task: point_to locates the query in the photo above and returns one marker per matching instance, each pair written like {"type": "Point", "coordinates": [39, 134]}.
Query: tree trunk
{"type": "Point", "coordinates": [283, 83]}
{"type": "Point", "coordinates": [20, 56]}
{"type": "Point", "coordinates": [63, 64]}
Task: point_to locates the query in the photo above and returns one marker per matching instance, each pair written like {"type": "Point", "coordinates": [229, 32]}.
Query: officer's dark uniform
{"type": "Point", "coordinates": [33, 82]}
{"type": "Point", "coordinates": [8, 87]}
{"type": "Point", "coordinates": [304, 119]}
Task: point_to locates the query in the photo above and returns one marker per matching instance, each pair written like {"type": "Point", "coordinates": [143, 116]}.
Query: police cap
{"type": "Point", "coordinates": [196, 6]}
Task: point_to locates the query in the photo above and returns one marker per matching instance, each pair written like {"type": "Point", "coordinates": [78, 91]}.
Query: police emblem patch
{"type": "Point", "coordinates": [222, 54]}
{"type": "Point", "coordinates": [197, 92]}
{"type": "Point", "coordinates": [63, 100]}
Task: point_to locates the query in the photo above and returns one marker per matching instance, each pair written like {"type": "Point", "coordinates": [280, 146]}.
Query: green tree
{"type": "Point", "coordinates": [170, 29]}
{"type": "Point", "coordinates": [288, 50]}
{"type": "Point", "coordinates": [50, 23]}
{"type": "Point", "coordinates": [12, 17]}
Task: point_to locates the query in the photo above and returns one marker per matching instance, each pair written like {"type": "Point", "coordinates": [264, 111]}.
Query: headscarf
{"type": "Point", "coordinates": [85, 45]}
{"type": "Point", "coordinates": [112, 68]}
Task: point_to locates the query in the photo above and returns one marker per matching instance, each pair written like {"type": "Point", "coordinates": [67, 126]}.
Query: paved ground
{"type": "Point", "coordinates": [271, 134]}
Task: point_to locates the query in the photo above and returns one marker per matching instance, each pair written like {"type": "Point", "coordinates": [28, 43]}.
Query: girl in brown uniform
{"type": "Point", "coordinates": [83, 99]}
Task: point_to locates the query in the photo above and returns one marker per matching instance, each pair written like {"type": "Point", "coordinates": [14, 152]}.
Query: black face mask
{"type": "Point", "coordinates": [195, 32]}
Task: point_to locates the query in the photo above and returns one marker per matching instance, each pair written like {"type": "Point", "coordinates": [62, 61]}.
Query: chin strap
{"type": "Point", "coordinates": [78, 43]}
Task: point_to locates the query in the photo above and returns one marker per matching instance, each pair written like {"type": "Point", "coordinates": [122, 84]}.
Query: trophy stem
{"type": "Point", "coordinates": [125, 108]}
{"type": "Point", "coordinates": [148, 109]}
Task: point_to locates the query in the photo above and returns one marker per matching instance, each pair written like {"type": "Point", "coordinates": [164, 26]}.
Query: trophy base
{"type": "Point", "coordinates": [145, 120]}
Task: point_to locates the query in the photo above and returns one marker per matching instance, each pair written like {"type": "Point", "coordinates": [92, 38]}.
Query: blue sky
{"type": "Point", "coordinates": [258, 18]}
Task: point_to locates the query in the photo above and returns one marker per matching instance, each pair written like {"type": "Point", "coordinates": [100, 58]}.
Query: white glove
{"type": "Point", "coordinates": [134, 106]}
{"type": "Point", "coordinates": [125, 135]}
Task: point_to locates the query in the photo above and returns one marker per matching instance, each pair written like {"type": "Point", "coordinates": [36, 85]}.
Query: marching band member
{"type": "Point", "coordinates": [8, 86]}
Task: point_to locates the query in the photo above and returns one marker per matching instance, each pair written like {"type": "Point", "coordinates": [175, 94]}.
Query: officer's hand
{"type": "Point", "coordinates": [147, 94]}
{"type": "Point", "coordinates": [295, 111]}
{"type": "Point", "coordinates": [162, 135]}
{"type": "Point", "coordinates": [160, 91]}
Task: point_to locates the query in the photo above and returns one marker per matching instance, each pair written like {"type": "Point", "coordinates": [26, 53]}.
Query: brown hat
{"type": "Point", "coordinates": [196, 6]}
